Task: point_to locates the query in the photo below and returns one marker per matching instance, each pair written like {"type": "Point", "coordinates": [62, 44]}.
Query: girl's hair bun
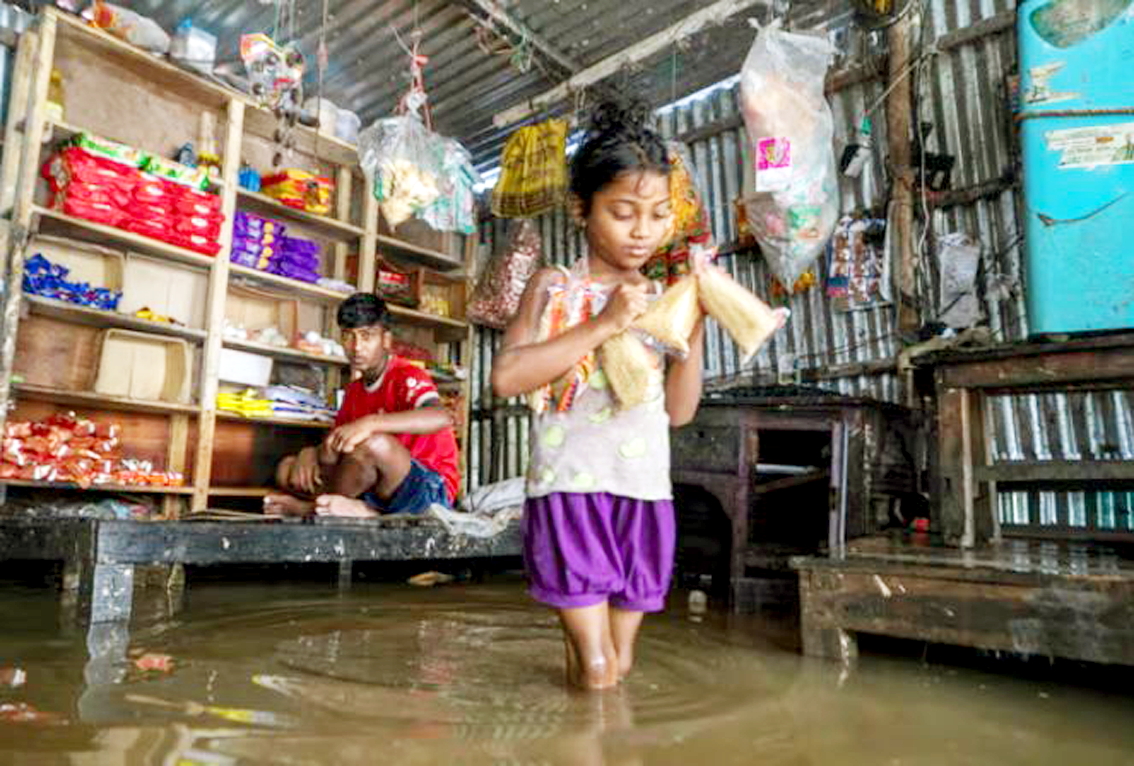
{"type": "Point", "coordinates": [630, 116]}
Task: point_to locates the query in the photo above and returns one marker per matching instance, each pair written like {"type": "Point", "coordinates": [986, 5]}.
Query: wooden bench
{"type": "Point", "coordinates": [1037, 598]}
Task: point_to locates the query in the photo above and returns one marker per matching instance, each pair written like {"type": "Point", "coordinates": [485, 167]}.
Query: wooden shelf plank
{"type": "Point", "coordinates": [434, 259]}
{"type": "Point", "coordinates": [411, 316]}
{"type": "Point", "coordinates": [264, 205]}
{"type": "Point", "coordinates": [273, 421]}
{"type": "Point", "coordinates": [1057, 471]}
{"type": "Point", "coordinates": [99, 401]}
{"type": "Point", "coordinates": [135, 488]}
{"type": "Point", "coordinates": [239, 491]}
{"type": "Point", "coordinates": [160, 71]}
{"type": "Point", "coordinates": [54, 222]}
{"type": "Point", "coordinates": [290, 287]}
{"type": "Point", "coordinates": [84, 315]}
{"type": "Point", "coordinates": [287, 354]}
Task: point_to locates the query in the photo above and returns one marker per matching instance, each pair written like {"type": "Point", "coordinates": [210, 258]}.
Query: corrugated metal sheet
{"type": "Point", "coordinates": [962, 94]}
{"type": "Point", "coordinates": [368, 68]}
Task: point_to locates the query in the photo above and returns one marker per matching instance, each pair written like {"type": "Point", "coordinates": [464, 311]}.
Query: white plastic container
{"type": "Point", "coordinates": [244, 368]}
{"type": "Point", "coordinates": [194, 47]}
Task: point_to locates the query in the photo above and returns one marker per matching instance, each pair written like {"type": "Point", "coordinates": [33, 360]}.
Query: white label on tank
{"type": "Point", "coordinates": [1090, 147]}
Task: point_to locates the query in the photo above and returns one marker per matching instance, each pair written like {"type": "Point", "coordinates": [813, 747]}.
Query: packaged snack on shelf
{"type": "Point", "coordinates": [300, 189]}
{"type": "Point", "coordinates": [128, 25]}
{"type": "Point", "coordinates": [395, 285]}
{"type": "Point", "coordinates": [110, 150]}
{"type": "Point", "coordinates": [75, 165]}
{"type": "Point", "coordinates": [98, 212]}
{"type": "Point", "coordinates": [194, 178]}
{"type": "Point", "coordinates": [41, 277]}
{"type": "Point", "coordinates": [194, 202]}
{"type": "Point", "coordinates": [64, 447]}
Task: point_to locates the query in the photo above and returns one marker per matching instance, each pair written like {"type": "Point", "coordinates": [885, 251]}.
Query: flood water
{"type": "Point", "coordinates": [472, 674]}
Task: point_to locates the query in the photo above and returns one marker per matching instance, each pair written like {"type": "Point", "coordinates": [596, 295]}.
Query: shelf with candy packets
{"type": "Point", "coordinates": [264, 252]}
{"type": "Point", "coordinates": [120, 187]}
{"type": "Point", "coordinates": [68, 451]}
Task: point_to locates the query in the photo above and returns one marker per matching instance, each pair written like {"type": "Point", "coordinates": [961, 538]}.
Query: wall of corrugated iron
{"type": "Point", "coordinates": [962, 93]}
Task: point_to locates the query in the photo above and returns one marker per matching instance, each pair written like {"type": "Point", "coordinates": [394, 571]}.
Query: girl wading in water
{"type": "Point", "coordinates": [599, 522]}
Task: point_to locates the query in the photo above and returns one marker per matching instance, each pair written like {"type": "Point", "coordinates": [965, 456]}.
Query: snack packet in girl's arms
{"type": "Point", "coordinates": [748, 320]}
{"type": "Point", "coordinates": [670, 320]}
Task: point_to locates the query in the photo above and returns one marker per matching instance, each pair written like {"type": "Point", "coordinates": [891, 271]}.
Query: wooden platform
{"type": "Point", "coordinates": [100, 556]}
{"type": "Point", "coordinates": [1051, 599]}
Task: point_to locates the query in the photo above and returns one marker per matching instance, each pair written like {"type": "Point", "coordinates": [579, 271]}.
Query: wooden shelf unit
{"type": "Point", "coordinates": [125, 94]}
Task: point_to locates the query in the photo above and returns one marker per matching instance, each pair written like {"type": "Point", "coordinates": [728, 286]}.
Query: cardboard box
{"type": "Point", "coordinates": [143, 366]}
{"type": "Point", "coordinates": [175, 291]}
{"type": "Point", "coordinates": [99, 266]}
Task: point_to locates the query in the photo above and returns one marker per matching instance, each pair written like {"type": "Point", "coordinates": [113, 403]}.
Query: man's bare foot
{"type": "Point", "coordinates": [279, 504]}
{"type": "Point", "coordinates": [342, 506]}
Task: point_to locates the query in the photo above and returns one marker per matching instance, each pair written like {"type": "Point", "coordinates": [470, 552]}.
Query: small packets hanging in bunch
{"type": "Point", "coordinates": [275, 72]}
{"type": "Point", "coordinates": [691, 231]}
{"type": "Point", "coordinates": [496, 297]}
{"type": "Point", "coordinates": [533, 177]}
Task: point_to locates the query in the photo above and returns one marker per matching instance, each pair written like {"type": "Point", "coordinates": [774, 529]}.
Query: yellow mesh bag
{"type": "Point", "coordinates": [533, 171]}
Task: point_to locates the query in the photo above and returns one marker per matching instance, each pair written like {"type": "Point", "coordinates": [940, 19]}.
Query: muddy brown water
{"type": "Point", "coordinates": [471, 674]}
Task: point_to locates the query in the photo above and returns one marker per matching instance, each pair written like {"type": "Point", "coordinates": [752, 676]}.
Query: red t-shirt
{"type": "Point", "coordinates": [404, 386]}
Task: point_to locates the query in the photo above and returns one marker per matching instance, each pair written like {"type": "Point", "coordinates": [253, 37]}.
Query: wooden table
{"type": "Point", "coordinates": [720, 452]}
{"type": "Point", "coordinates": [965, 511]}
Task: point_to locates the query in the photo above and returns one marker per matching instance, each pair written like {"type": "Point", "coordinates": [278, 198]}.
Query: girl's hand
{"type": "Point", "coordinates": [626, 303]}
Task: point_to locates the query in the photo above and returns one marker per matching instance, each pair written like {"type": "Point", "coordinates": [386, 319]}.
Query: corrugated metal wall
{"type": "Point", "coordinates": [961, 91]}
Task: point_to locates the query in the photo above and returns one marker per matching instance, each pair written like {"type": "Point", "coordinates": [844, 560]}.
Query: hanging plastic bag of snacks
{"type": "Point", "coordinates": [404, 163]}
{"type": "Point", "coordinates": [533, 176]}
{"type": "Point", "coordinates": [496, 297]}
{"type": "Point", "coordinates": [795, 204]}
{"type": "Point", "coordinates": [455, 207]}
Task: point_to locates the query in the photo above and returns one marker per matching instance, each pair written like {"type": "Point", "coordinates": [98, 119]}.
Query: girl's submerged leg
{"type": "Point", "coordinates": [588, 630]}
{"type": "Point", "coordinates": [624, 626]}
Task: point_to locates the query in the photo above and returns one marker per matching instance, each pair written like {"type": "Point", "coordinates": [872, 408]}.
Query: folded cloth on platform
{"type": "Point", "coordinates": [493, 497]}
{"type": "Point", "coordinates": [482, 525]}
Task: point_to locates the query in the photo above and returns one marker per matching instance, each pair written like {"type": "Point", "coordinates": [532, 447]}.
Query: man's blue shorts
{"type": "Point", "coordinates": [420, 489]}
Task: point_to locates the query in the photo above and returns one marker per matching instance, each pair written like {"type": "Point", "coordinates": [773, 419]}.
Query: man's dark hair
{"type": "Point", "coordinates": [363, 310]}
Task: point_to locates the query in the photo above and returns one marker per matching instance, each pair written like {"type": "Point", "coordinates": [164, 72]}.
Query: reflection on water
{"type": "Point", "coordinates": [473, 675]}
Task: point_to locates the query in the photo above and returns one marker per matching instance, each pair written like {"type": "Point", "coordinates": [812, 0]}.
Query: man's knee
{"type": "Point", "coordinates": [380, 450]}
